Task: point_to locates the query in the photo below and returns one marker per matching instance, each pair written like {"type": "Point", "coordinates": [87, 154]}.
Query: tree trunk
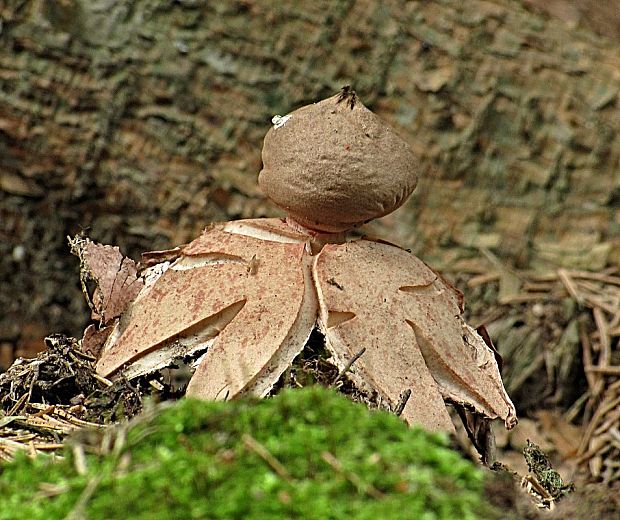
{"type": "Point", "coordinates": [142, 121]}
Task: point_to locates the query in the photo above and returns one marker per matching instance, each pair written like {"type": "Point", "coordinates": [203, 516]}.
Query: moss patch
{"type": "Point", "coordinates": [303, 454]}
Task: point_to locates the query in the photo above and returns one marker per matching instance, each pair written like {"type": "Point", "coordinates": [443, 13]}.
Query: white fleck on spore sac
{"type": "Point", "coordinates": [279, 121]}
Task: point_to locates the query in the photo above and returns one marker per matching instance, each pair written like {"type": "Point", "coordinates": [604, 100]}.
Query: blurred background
{"type": "Point", "coordinates": [139, 122]}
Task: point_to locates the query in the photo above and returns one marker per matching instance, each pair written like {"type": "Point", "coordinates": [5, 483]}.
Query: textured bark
{"type": "Point", "coordinates": [142, 121]}
{"type": "Point", "coordinates": [600, 17]}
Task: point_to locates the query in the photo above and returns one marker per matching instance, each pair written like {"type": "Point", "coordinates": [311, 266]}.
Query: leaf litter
{"type": "Point", "coordinates": [40, 408]}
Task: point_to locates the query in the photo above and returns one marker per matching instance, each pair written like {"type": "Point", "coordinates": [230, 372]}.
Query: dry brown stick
{"type": "Point", "coordinates": [252, 444]}
{"type": "Point", "coordinates": [49, 490]}
{"type": "Point", "coordinates": [527, 297]}
{"type": "Point", "coordinates": [595, 301]}
{"type": "Point", "coordinates": [610, 420]}
{"type": "Point", "coordinates": [41, 427]}
{"type": "Point", "coordinates": [615, 321]}
{"type": "Point", "coordinates": [613, 387]}
{"type": "Point", "coordinates": [4, 456]}
{"type": "Point", "coordinates": [368, 489]}
{"type": "Point", "coordinates": [538, 286]}
{"type": "Point", "coordinates": [79, 354]}
{"type": "Point", "coordinates": [614, 301]}
{"type": "Point", "coordinates": [599, 277]}
{"type": "Point", "coordinates": [49, 422]}
{"type": "Point", "coordinates": [541, 277]}
{"type": "Point", "coordinates": [69, 417]}
{"type": "Point", "coordinates": [44, 411]}
{"type": "Point", "coordinates": [606, 371]}
{"type": "Point", "coordinates": [571, 414]}
{"type": "Point", "coordinates": [597, 446]}
{"type": "Point", "coordinates": [600, 412]}
{"type": "Point", "coordinates": [60, 421]}
{"type": "Point", "coordinates": [12, 444]}
{"type": "Point", "coordinates": [32, 451]}
{"type": "Point", "coordinates": [483, 279]}
{"type": "Point", "coordinates": [19, 437]}
{"type": "Point", "coordinates": [44, 446]}
{"type": "Point", "coordinates": [570, 286]}
{"type": "Point", "coordinates": [536, 487]}
{"type": "Point", "coordinates": [348, 366]}
{"type": "Point", "coordinates": [102, 379]}
{"type": "Point", "coordinates": [601, 324]}
{"type": "Point", "coordinates": [609, 404]}
{"type": "Point", "coordinates": [402, 402]}
{"type": "Point", "coordinates": [585, 440]}
{"type": "Point", "coordinates": [586, 352]}
{"type": "Point", "coordinates": [590, 286]}
{"type": "Point", "coordinates": [18, 404]}
{"type": "Point", "coordinates": [79, 460]}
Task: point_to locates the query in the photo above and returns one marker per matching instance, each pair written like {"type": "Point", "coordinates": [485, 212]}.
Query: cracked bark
{"type": "Point", "coordinates": [142, 121]}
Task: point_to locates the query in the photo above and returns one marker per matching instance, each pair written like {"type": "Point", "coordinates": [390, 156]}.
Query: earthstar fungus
{"type": "Point", "coordinates": [334, 165]}
{"type": "Point", "coordinates": [242, 299]}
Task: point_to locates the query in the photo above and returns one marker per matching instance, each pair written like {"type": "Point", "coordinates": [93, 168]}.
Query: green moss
{"type": "Point", "coordinates": [194, 460]}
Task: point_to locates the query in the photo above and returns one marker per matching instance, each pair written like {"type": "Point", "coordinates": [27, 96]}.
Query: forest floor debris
{"type": "Point", "coordinates": [44, 399]}
{"type": "Point", "coordinates": [557, 332]}
{"type": "Point", "coordinates": [303, 454]}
